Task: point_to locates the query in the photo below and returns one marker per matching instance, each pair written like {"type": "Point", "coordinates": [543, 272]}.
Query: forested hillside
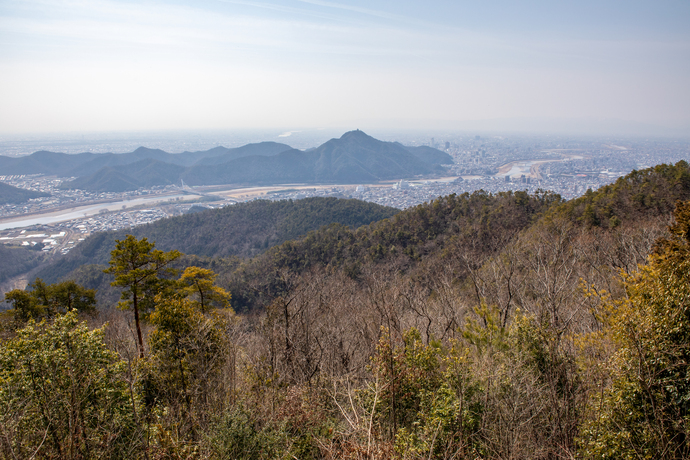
{"type": "Point", "coordinates": [17, 260]}
{"type": "Point", "coordinates": [132, 176]}
{"type": "Point", "coordinates": [638, 195]}
{"type": "Point", "coordinates": [241, 230]}
{"type": "Point", "coordinates": [11, 195]}
{"type": "Point", "coordinates": [503, 326]}
{"type": "Point", "coordinates": [472, 226]}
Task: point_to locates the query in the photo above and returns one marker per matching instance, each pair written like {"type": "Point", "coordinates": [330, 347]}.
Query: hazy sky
{"type": "Point", "coordinates": [105, 65]}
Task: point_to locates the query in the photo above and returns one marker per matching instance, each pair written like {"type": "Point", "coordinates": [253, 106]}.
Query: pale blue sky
{"type": "Point", "coordinates": [97, 65]}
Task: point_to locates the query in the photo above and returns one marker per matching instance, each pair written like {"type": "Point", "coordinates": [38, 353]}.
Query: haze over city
{"type": "Point", "coordinates": [338, 229]}
{"type": "Point", "coordinates": [589, 67]}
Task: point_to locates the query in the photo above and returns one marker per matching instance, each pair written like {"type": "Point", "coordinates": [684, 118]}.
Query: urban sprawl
{"type": "Point", "coordinates": [569, 167]}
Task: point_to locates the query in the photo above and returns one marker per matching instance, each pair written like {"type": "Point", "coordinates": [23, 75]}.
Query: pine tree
{"type": "Point", "coordinates": [137, 267]}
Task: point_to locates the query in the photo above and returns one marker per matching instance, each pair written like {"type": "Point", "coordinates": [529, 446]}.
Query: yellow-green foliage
{"type": "Point", "coordinates": [199, 283]}
{"type": "Point", "coordinates": [137, 268]}
{"type": "Point", "coordinates": [189, 354]}
{"type": "Point", "coordinates": [427, 398]}
{"type": "Point", "coordinates": [62, 394]}
{"type": "Point", "coordinates": [645, 411]}
{"type": "Point", "coordinates": [47, 300]}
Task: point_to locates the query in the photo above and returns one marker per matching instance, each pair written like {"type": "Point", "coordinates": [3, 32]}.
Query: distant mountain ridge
{"type": "Point", "coordinates": [261, 148]}
{"type": "Point", "coordinates": [82, 164]}
{"type": "Point", "coordinates": [353, 158]}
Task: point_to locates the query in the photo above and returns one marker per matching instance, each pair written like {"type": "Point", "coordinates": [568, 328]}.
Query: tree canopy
{"type": "Point", "coordinates": [138, 268]}
{"type": "Point", "coordinates": [62, 394]}
{"type": "Point", "coordinates": [645, 412]}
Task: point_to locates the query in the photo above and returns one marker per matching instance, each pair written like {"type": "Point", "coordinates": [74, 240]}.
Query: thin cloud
{"type": "Point", "coordinates": [357, 9]}
{"type": "Point", "coordinates": [254, 61]}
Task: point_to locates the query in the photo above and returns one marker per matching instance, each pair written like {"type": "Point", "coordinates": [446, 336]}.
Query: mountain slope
{"type": "Point", "coordinates": [468, 230]}
{"type": "Point", "coordinates": [107, 179]}
{"type": "Point", "coordinates": [356, 154]}
{"type": "Point", "coordinates": [244, 230]}
{"type": "Point", "coordinates": [99, 161]}
{"type": "Point", "coordinates": [11, 195]}
{"type": "Point", "coordinates": [261, 148]}
{"type": "Point", "coordinates": [84, 164]}
{"type": "Point", "coordinates": [42, 163]}
{"type": "Point", "coordinates": [473, 225]}
{"type": "Point", "coordinates": [17, 260]}
{"type": "Point", "coordinates": [144, 173]}
{"type": "Point", "coordinates": [430, 155]}
{"type": "Point", "coordinates": [635, 196]}
{"type": "Point", "coordinates": [353, 158]}
{"type": "Point", "coordinates": [286, 167]}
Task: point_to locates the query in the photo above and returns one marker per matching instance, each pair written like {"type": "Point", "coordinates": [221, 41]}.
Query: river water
{"type": "Point", "coordinates": [83, 211]}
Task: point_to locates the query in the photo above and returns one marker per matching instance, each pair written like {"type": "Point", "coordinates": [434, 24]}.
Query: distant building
{"type": "Point", "coordinates": [402, 185]}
